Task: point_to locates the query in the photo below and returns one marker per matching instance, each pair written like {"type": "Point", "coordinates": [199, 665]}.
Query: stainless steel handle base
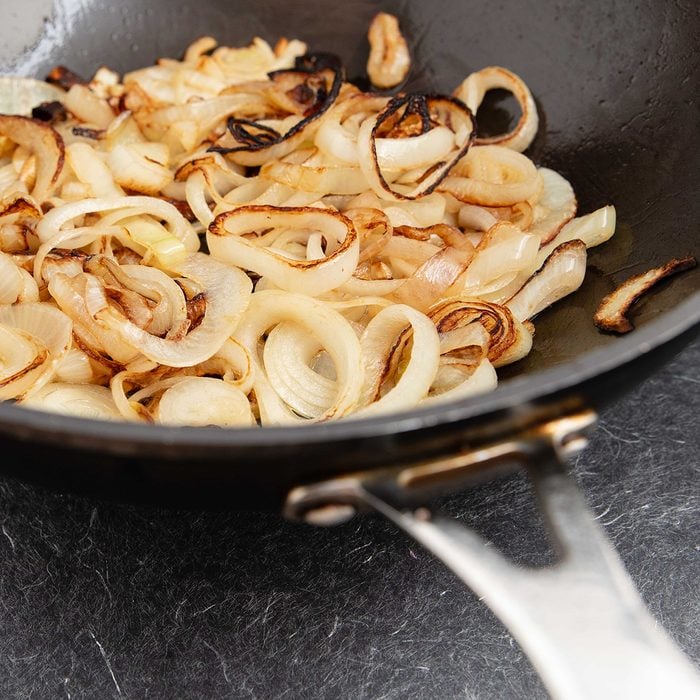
{"type": "Point", "coordinates": [580, 621]}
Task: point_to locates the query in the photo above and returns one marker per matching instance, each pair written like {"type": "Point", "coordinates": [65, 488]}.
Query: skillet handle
{"type": "Point", "coordinates": [581, 621]}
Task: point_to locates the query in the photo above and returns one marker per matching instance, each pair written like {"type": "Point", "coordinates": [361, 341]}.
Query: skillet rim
{"type": "Point", "coordinates": [103, 436]}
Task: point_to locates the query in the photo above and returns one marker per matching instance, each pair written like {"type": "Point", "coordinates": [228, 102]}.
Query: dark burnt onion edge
{"type": "Point", "coordinates": [265, 136]}
{"type": "Point", "coordinates": [418, 103]}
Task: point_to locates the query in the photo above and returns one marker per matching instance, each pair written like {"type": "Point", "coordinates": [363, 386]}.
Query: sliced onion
{"type": "Point", "coordinates": [85, 401]}
{"type": "Point", "coordinates": [493, 176]}
{"type": "Point", "coordinates": [140, 167]}
{"type": "Point", "coordinates": [75, 368]}
{"type": "Point", "coordinates": [555, 207]}
{"type": "Point", "coordinates": [383, 335]}
{"type": "Point", "coordinates": [21, 95]}
{"type": "Point", "coordinates": [509, 339]}
{"type": "Point", "coordinates": [333, 332]}
{"type": "Point", "coordinates": [288, 357]}
{"type": "Point", "coordinates": [43, 321]}
{"type": "Point", "coordinates": [373, 228]}
{"type": "Point", "coordinates": [561, 274]}
{"type": "Point", "coordinates": [611, 315]}
{"type": "Point", "coordinates": [24, 362]}
{"type": "Point", "coordinates": [335, 138]}
{"type": "Point", "coordinates": [10, 280]}
{"type": "Point", "coordinates": [474, 88]}
{"type": "Point", "coordinates": [318, 178]}
{"type": "Point", "coordinates": [389, 59]}
{"type": "Point", "coordinates": [226, 240]}
{"type": "Point", "coordinates": [448, 110]}
{"type": "Point", "coordinates": [434, 277]}
{"type": "Point", "coordinates": [228, 293]}
{"type": "Point", "coordinates": [59, 217]}
{"type": "Point", "coordinates": [252, 149]}
{"type": "Point", "coordinates": [204, 401]}
{"type": "Point", "coordinates": [481, 380]}
{"type": "Point", "coordinates": [47, 145]}
{"type": "Point", "coordinates": [91, 170]}
{"type": "Point", "coordinates": [593, 229]}
{"type": "Point", "coordinates": [88, 107]}
{"type": "Point", "coordinates": [504, 253]}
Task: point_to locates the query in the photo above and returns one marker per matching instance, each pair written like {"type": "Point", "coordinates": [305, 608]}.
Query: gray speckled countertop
{"type": "Point", "coordinates": [99, 600]}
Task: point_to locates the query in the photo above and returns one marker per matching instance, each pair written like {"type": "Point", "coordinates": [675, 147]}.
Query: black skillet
{"type": "Point", "coordinates": [616, 85]}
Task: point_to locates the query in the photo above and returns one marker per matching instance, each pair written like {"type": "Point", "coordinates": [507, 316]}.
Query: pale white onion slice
{"type": "Point", "coordinates": [140, 167]}
{"type": "Point", "coordinates": [474, 88]}
{"type": "Point", "coordinates": [21, 95]}
{"type": "Point", "coordinates": [204, 401]}
{"type": "Point", "coordinates": [75, 368]}
{"type": "Point", "coordinates": [504, 253]}
{"type": "Point", "coordinates": [379, 341]}
{"type": "Point", "coordinates": [59, 217]}
{"type": "Point", "coordinates": [85, 401]}
{"type": "Point", "coordinates": [481, 381]}
{"type": "Point", "coordinates": [43, 321]}
{"type": "Point", "coordinates": [91, 170]}
{"type": "Point", "coordinates": [333, 332]}
{"type": "Point", "coordinates": [593, 229]}
{"type": "Point", "coordinates": [88, 107]}
{"type": "Point", "coordinates": [561, 274]}
{"type": "Point", "coordinates": [434, 277]}
{"type": "Point", "coordinates": [493, 176]}
{"type": "Point", "coordinates": [11, 282]}
{"type": "Point", "coordinates": [288, 355]}
{"type": "Point", "coordinates": [555, 207]}
{"type": "Point", "coordinates": [318, 178]}
{"type": "Point", "coordinates": [226, 240]}
{"type": "Point", "coordinates": [24, 362]}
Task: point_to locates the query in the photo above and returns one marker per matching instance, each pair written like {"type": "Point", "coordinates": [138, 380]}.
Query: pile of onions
{"type": "Point", "coordinates": [366, 253]}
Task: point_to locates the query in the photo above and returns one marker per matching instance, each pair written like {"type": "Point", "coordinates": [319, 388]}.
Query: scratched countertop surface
{"type": "Point", "coordinates": [102, 600]}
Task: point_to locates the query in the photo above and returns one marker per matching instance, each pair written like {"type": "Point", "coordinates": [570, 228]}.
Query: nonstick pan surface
{"type": "Point", "coordinates": [616, 86]}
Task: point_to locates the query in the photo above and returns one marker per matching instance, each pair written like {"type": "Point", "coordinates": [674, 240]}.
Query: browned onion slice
{"type": "Point", "coordinates": [509, 340]}
{"type": "Point", "coordinates": [475, 87]}
{"type": "Point", "coordinates": [260, 143]}
{"type": "Point", "coordinates": [414, 115]}
{"type": "Point", "coordinates": [611, 315]}
{"type": "Point", "coordinates": [44, 142]}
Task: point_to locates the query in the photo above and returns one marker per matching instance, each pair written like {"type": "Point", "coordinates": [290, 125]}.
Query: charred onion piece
{"type": "Point", "coordinates": [50, 112]}
{"type": "Point", "coordinates": [411, 116]}
{"type": "Point", "coordinates": [257, 139]}
{"type": "Point", "coordinates": [42, 140]}
{"type": "Point", "coordinates": [611, 314]}
{"type": "Point", "coordinates": [64, 78]}
{"type": "Point", "coordinates": [389, 59]}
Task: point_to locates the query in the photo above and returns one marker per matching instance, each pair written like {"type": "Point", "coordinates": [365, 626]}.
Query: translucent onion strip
{"type": "Point", "coordinates": [328, 327]}
{"type": "Point", "coordinates": [84, 401]}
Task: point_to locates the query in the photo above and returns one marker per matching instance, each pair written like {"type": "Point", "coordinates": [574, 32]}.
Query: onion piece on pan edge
{"type": "Point", "coordinates": [611, 315]}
